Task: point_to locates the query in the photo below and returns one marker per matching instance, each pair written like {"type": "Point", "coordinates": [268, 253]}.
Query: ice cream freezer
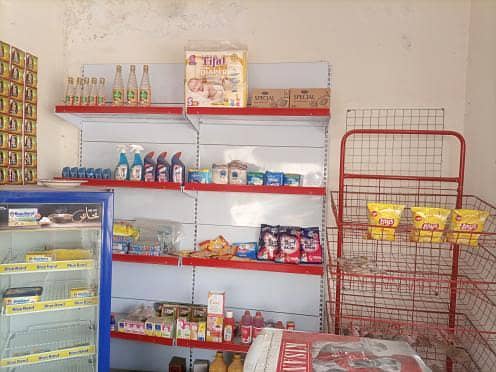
{"type": "Point", "coordinates": [55, 274]}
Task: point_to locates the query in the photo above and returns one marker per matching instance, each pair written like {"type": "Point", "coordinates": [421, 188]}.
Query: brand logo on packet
{"type": "Point", "coordinates": [430, 226]}
{"type": "Point", "coordinates": [386, 221]}
{"type": "Point", "coordinates": [468, 227]}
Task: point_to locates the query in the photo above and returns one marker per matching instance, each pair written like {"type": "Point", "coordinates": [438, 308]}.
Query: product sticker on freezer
{"type": "Point", "coordinates": [23, 216]}
{"type": "Point", "coordinates": [71, 352]}
{"type": "Point", "coordinates": [50, 305]}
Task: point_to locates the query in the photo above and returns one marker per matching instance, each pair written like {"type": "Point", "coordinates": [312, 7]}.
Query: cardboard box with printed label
{"type": "Point", "coordinates": [309, 98]}
{"type": "Point", "coordinates": [275, 98]}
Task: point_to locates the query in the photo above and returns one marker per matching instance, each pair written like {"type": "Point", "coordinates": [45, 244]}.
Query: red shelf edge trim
{"type": "Point", "coordinates": [306, 269]}
{"type": "Point", "coordinates": [296, 190]}
{"type": "Point", "coordinates": [291, 190]}
{"type": "Point", "coordinates": [153, 260]}
{"type": "Point", "coordinates": [224, 346]}
{"type": "Point", "coordinates": [108, 109]}
{"type": "Point", "coordinates": [258, 111]}
{"type": "Point", "coordinates": [117, 183]}
{"type": "Point", "coordinates": [142, 338]}
{"type": "Point", "coordinates": [179, 110]}
{"type": "Point", "coordinates": [221, 346]}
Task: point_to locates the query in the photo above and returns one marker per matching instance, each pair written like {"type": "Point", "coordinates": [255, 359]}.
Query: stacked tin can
{"type": "Point", "coordinates": [18, 114]}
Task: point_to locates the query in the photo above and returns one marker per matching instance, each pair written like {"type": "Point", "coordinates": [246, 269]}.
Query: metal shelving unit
{"type": "Point", "coordinates": [290, 140]}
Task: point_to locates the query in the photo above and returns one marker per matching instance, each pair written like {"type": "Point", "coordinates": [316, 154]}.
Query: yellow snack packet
{"type": "Point", "coordinates": [465, 224]}
{"type": "Point", "coordinates": [429, 224]}
{"type": "Point", "coordinates": [382, 214]}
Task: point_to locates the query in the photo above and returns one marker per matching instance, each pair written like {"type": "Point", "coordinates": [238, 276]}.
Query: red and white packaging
{"type": "Point", "coordinates": [311, 249]}
{"type": "Point", "coordinates": [246, 328]}
{"type": "Point", "coordinates": [288, 239]}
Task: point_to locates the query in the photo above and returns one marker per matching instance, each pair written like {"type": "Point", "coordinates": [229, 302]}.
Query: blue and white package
{"type": "Point", "coordinates": [292, 179]}
{"type": "Point", "coordinates": [274, 178]}
{"type": "Point", "coordinates": [199, 175]}
{"type": "Point", "coordinates": [255, 178]}
{"type": "Point", "coordinates": [246, 250]}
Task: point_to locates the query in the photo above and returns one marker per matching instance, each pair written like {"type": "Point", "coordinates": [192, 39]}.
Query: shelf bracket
{"type": "Point", "coordinates": [194, 121]}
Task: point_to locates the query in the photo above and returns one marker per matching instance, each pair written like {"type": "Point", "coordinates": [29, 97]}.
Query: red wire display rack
{"type": "Point", "coordinates": [440, 297]}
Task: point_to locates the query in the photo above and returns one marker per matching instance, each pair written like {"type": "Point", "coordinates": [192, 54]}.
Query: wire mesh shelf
{"type": "Point", "coordinates": [55, 297]}
{"type": "Point", "coordinates": [439, 293]}
{"type": "Point", "coordinates": [41, 344]}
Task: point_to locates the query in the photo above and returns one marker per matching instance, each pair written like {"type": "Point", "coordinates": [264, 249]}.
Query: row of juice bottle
{"type": "Point", "coordinates": [251, 326]}
{"type": "Point", "coordinates": [91, 92]}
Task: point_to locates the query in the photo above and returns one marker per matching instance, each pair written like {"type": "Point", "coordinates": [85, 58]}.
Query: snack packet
{"type": "Point", "coordinates": [383, 214]}
{"type": "Point", "coordinates": [428, 224]}
{"type": "Point", "coordinates": [311, 249]}
{"type": "Point", "coordinates": [289, 241]}
{"type": "Point", "coordinates": [267, 245]}
{"type": "Point", "coordinates": [465, 224]}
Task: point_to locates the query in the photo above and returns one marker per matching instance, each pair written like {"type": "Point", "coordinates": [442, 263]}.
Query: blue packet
{"type": "Point", "coordinates": [74, 172]}
{"type": "Point", "coordinates": [246, 250]}
{"type": "Point", "coordinates": [255, 178]}
{"type": "Point", "coordinates": [199, 175]}
{"type": "Point", "coordinates": [98, 173]}
{"type": "Point", "coordinates": [66, 172]}
{"type": "Point", "coordinates": [82, 172]}
{"type": "Point", "coordinates": [90, 173]}
{"type": "Point", "coordinates": [292, 179]}
{"type": "Point", "coordinates": [273, 178]}
{"type": "Point", "coordinates": [107, 174]}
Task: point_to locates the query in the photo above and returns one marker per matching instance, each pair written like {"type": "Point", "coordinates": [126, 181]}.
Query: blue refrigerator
{"type": "Point", "coordinates": [55, 280]}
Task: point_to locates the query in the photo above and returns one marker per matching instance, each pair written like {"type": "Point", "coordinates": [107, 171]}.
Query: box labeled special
{"type": "Point", "coordinates": [309, 98]}
{"type": "Point", "coordinates": [275, 98]}
{"type": "Point", "coordinates": [215, 75]}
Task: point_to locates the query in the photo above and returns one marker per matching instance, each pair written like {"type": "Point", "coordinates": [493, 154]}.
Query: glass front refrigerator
{"type": "Point", "coordinates": [55, 280]}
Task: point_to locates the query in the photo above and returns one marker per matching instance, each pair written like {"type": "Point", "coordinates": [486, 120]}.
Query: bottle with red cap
{"type": "Point", "coordinates": [246, 327]}
{"type": "Point", "coordinates": [258, 324]}
{"type": "Point", "coordinates": [229, 327]}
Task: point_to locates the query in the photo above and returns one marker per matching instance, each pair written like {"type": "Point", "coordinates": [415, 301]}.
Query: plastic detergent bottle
{"type": "Point", "coordinates": [149, 168]}
{"type": "Point", "coordinates": [229, 326]}
{"type": "Point", "coordinates": [136, 173]}
{"type": "Point", "coordinates": [122, 168]}
{"type": "Point", "coordinates": [246, 326]}
{"type": "Point", "coordinates": [218, 364]}
{"type": "Point", "coordinates": [258, 324]}
{"type": "Point", "coordinates": [178, 170]}
{"type": "Point", "coordinates": [163, 169]}
{"type": "Point", "coordinates": [236, 364]}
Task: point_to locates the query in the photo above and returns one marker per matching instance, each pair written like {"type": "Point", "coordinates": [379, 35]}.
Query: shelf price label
{"type": "Point", "coordinates": [70, 265]}
{"type": "Point", "coordinates": [52, 305]}
{"type": "Point", "coordinates": [72, 352]}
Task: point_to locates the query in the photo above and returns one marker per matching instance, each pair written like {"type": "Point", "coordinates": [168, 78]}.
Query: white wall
{"type": "Point", "coordinates": [385, 52]}
{"type": "Point", "coordinates": [480, 122]}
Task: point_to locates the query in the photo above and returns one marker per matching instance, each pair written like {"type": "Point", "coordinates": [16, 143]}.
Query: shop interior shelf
{"type": "Point", "coordinates": [258, 111]}
{"type": "Point", "coordinates": [55, 297]}
{"type": "Point", "coordinates": [142, 338]}
{"type": "Point", "coordinates": [224, 264]}
{"type": "Point", "coordinates": [220, 346]}
{"type": "Point", "coordinates": [68, 365]}
{"type": "Point", "coordinates": [41, 344]}
{"type": "Point", "coordinates": [76, 115]}
{"type": "Point", "coordinates": [17, 266]}
{"type": "Point", "coordinates": [301, 190]}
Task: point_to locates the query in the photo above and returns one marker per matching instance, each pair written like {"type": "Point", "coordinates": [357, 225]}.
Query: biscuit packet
{"type": "Point", "coordinates": [428, 224]}
{"type": "Point", "coordinates": [465, 224]}
{"type": "Point", "coordinates": [383, 214]}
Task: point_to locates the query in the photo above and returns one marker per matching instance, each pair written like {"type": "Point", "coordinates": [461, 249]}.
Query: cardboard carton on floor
{"type": "Point", "coordinates": [309, 98]}
{"type": "Point", "coordinates": [278, 98]}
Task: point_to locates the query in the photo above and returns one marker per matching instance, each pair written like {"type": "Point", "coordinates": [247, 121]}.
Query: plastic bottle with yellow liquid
{"type": "Point", "coordinates": [218, 364]}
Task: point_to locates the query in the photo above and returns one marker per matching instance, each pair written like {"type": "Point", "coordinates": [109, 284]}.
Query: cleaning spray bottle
{"type": "Point", "coordinates": [136, 173]}
{"type": "Point", "coordinates": [163, 170]}
{"type": "Point", "coordinates": [178, 170]}
{"type": "Point", "coordinates": [149, 168]}
{"type": "Point", "coordinates": [122, 169]}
